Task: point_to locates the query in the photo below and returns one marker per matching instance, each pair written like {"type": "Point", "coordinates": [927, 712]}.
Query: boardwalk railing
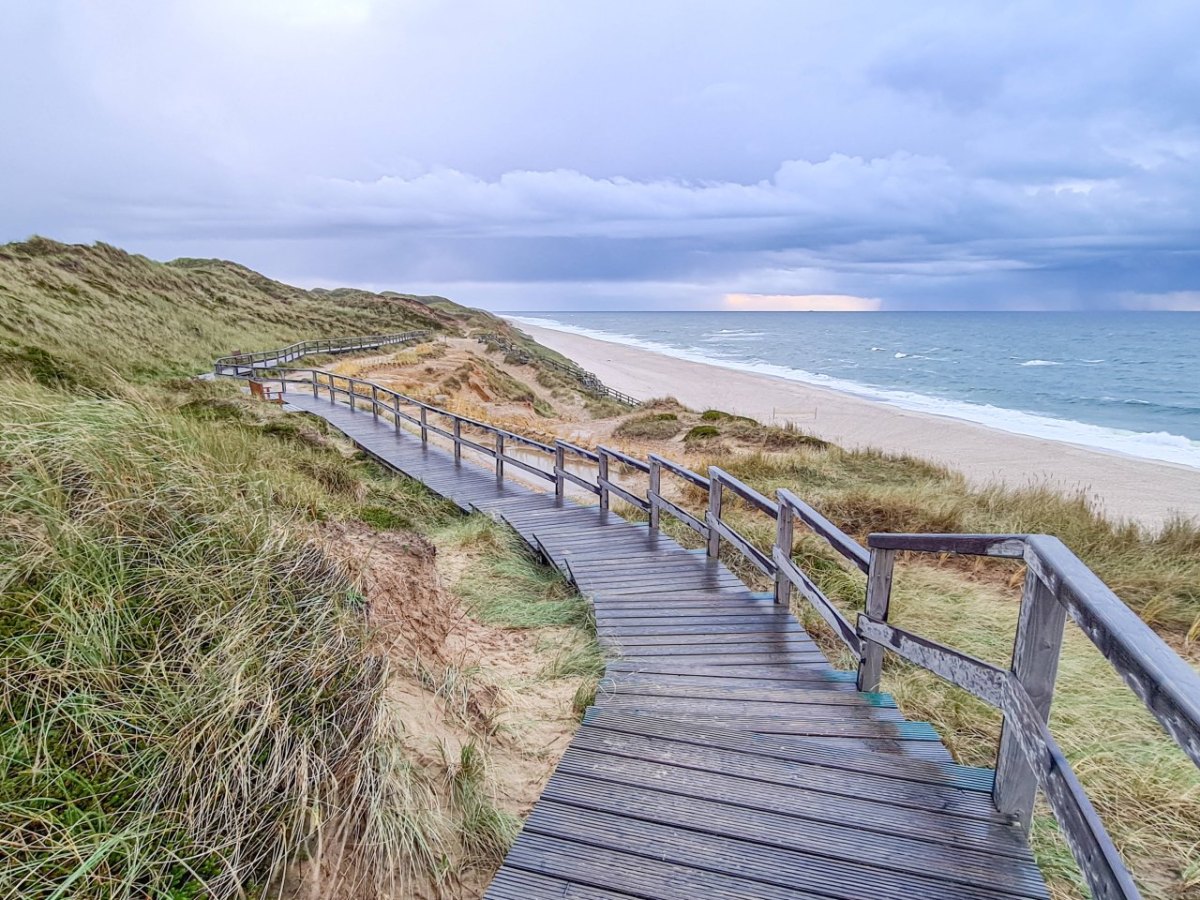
{"type": "Point", "coordinates": [1057, 584]}
{"type": "Point", "coordinates": [589, 381]}
{"type": "Point", "coordinates": [242, 364]}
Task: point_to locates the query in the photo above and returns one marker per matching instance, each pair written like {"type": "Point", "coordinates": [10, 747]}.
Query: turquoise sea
{"type": "Point", "coordinates": [1123, 382]}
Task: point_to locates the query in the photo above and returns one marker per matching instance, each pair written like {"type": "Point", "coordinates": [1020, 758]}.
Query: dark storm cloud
{"type": "Point", "coordinates": [531, 153]}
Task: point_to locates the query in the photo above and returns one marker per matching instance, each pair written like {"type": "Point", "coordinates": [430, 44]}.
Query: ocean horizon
{"type": "Point", "coordinates": [1120, 382]}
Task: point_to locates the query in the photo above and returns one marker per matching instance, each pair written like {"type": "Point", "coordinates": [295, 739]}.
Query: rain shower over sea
{"type": "Point", "coordinates": [1123, 382]}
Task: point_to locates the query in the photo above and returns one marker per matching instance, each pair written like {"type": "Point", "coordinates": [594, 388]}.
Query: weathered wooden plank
{"type": "Point", "coordinates": [663, 571]}
{"type": "Point", "coordinates": [681, 471]}
{"type": "Point", "coordinates": [642, 875]}
{"type": "Point", "coordinates": [691, 521]}
{"type": "Point", "coordinates": [1082, 829]}
{"type": "Point", "coordinates": [879, 597]}
{"type": "Point", "coordinates": [762, 692]}
{"type": "Point", "coordinates": [799, 725]}
{"type": "Point", "coordinates": [693, 615]}
{"type": "Point", "coordinates": [870, 815]}
{"type": "Point", "coordinates": [1035, 664]}
{"type": "Point", "coordinates": [567, 475]}
{"type": "Point", "coordinates": [641, 734]}
{"type": "Point", "coordinates": [624, 458]}
{"type": "Point", "coordinates": [748, 706]}
{"type": "Point", "coordinates": [663, 589]}
{"type": "Point", "coordinates": [725, 634]}
{"type": "Point", "coordinates": [833, 617]}
{"type": "Point", "coordinates": [600, 555]}
{"type": "Point", "coordinates": [526, 467]}
{"type": "Point", "coordinates": [781, 627]}
{"type": "Point", "coordinates": [672, 666]}
{"type": "Point", "coordinates": [687, 603]}
{"type": "Point", "coordinates": [663, 584]}
{"type": "Point", "coordinates": [628, 496]}
{"type": "Point", "coordinates": [720, 660]}
{"type": "Point", "coordinates": [715, 501]}
{"type": "Point", "coordinates": [893, 851]}
{"type": "Point", "coordinates": [576, 450]}
{"type": "Point", "coordinates": [981, 679]}
{"type": "Point", "coordinates": [751, 861]}
{"type": "Point", "coordinates": [743, 546]}
{"type": "Point", "coordinates": [513, 884]}
{"type": "Point", "coordinates": [812, 677]}
{"type": "Point", "coordinates": [1009, 546]}
{"type": "Point", "coordinates": [784, 537]}
{"type": "Point", "coordinates": [743, 490]}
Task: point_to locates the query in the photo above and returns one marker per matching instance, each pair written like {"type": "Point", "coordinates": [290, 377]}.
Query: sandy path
{"type": "Point", "coordinates": [1147, 491]}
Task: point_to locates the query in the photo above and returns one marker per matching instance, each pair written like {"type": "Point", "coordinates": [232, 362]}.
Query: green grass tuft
{"type": "Point", "coordinates": [702, 432]}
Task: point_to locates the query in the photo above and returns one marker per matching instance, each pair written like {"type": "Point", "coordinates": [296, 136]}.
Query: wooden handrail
{"type": "Point", "coordinates": [1057, 584]}
{"type": "Point", "coordinates": [254, 360]}
{"type": "Point", "coordinates": [747, 493]}
{"type": "Point", "coordinates": [682, 471]}
{"type": "Point", "coordinates": [1008, 546]}
{"type": "Point", "coordinates": [632, 461]}
{"type": "Point", "coordinates": [1167, 685]}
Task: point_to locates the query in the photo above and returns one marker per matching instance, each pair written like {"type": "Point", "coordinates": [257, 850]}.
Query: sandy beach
{"type": "Point", "coordinates": [1146, 491]}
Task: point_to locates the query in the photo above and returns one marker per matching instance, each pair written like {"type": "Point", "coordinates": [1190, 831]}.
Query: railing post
{"type": "Point", "coordinates": [332, 395]}
{"type": "Point", "coordinates": [1035, 665]}
{"type": "Point", "coordinates": [654, 492]}
{"type": "Point", "coordinates": [457, 439]}
{"type": "Point", "coordinates": [314, 382]}
{"type": "Point", "coordinates": [499, 454]}
{"type": "Point", "coordinates": [374, 401]}
{"type": "Point", "coordinates": [560, 464]}
{"type": "Point", "coordinates": [602, 480]}
{"type": "Point", "coordinates": [424, 425]}
{"type": "Point", "coordinates": [784, 534]}
{"type": "Point", "coordinates": [396, 412]}
{"type": "Point", "coordinates": [879, 598]}
{"type": "Point", "coordinates": [715, 499]}
{"type": "Point", "coordinates": [350, 391]}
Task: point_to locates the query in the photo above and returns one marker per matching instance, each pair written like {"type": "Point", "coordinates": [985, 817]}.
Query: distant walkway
{"type": "Point", "coordinates": [724, 757]}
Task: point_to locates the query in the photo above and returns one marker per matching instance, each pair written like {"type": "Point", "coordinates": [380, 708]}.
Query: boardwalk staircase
{"type": "Point", "coordinates": [724, 756]}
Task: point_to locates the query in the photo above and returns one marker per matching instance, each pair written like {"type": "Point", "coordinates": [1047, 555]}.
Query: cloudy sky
{"type": "Point", "coordinates": [540, 154]}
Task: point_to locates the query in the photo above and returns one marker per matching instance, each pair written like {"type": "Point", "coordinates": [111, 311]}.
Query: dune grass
{"type": "Point", "coordinates": [185, 678]}
{"type": "Point", "coordinates": [96, 310]}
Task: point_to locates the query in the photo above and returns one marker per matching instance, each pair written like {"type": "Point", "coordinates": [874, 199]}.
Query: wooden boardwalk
{"type": "Point", "coordinates": [724, 757]}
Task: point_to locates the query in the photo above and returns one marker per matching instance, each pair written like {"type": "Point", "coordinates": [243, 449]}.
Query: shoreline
{"type": "Point", "coordinates": [1149, 492]}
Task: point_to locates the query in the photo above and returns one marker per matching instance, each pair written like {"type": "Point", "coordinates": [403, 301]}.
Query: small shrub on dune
{"type": "Point", "coordinates": [864, 511]}
{"type": "Point", "coordinates": [701, 433]}
{"type": "Point", "coordinates": [659, 426]}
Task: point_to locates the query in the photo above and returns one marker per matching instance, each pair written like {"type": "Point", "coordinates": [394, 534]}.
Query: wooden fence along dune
{"type": "Point", "coordinates": [725, 756]}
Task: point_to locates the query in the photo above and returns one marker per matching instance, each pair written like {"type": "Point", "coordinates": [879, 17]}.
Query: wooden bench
{"type": "Point", "coordinates": [263, 390]}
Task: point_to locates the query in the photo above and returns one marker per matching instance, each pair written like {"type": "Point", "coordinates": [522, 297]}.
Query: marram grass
{"type": "Point", "coordinates": [188, 701]}
{"type": "Point", "coordinates": [185, 684]}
